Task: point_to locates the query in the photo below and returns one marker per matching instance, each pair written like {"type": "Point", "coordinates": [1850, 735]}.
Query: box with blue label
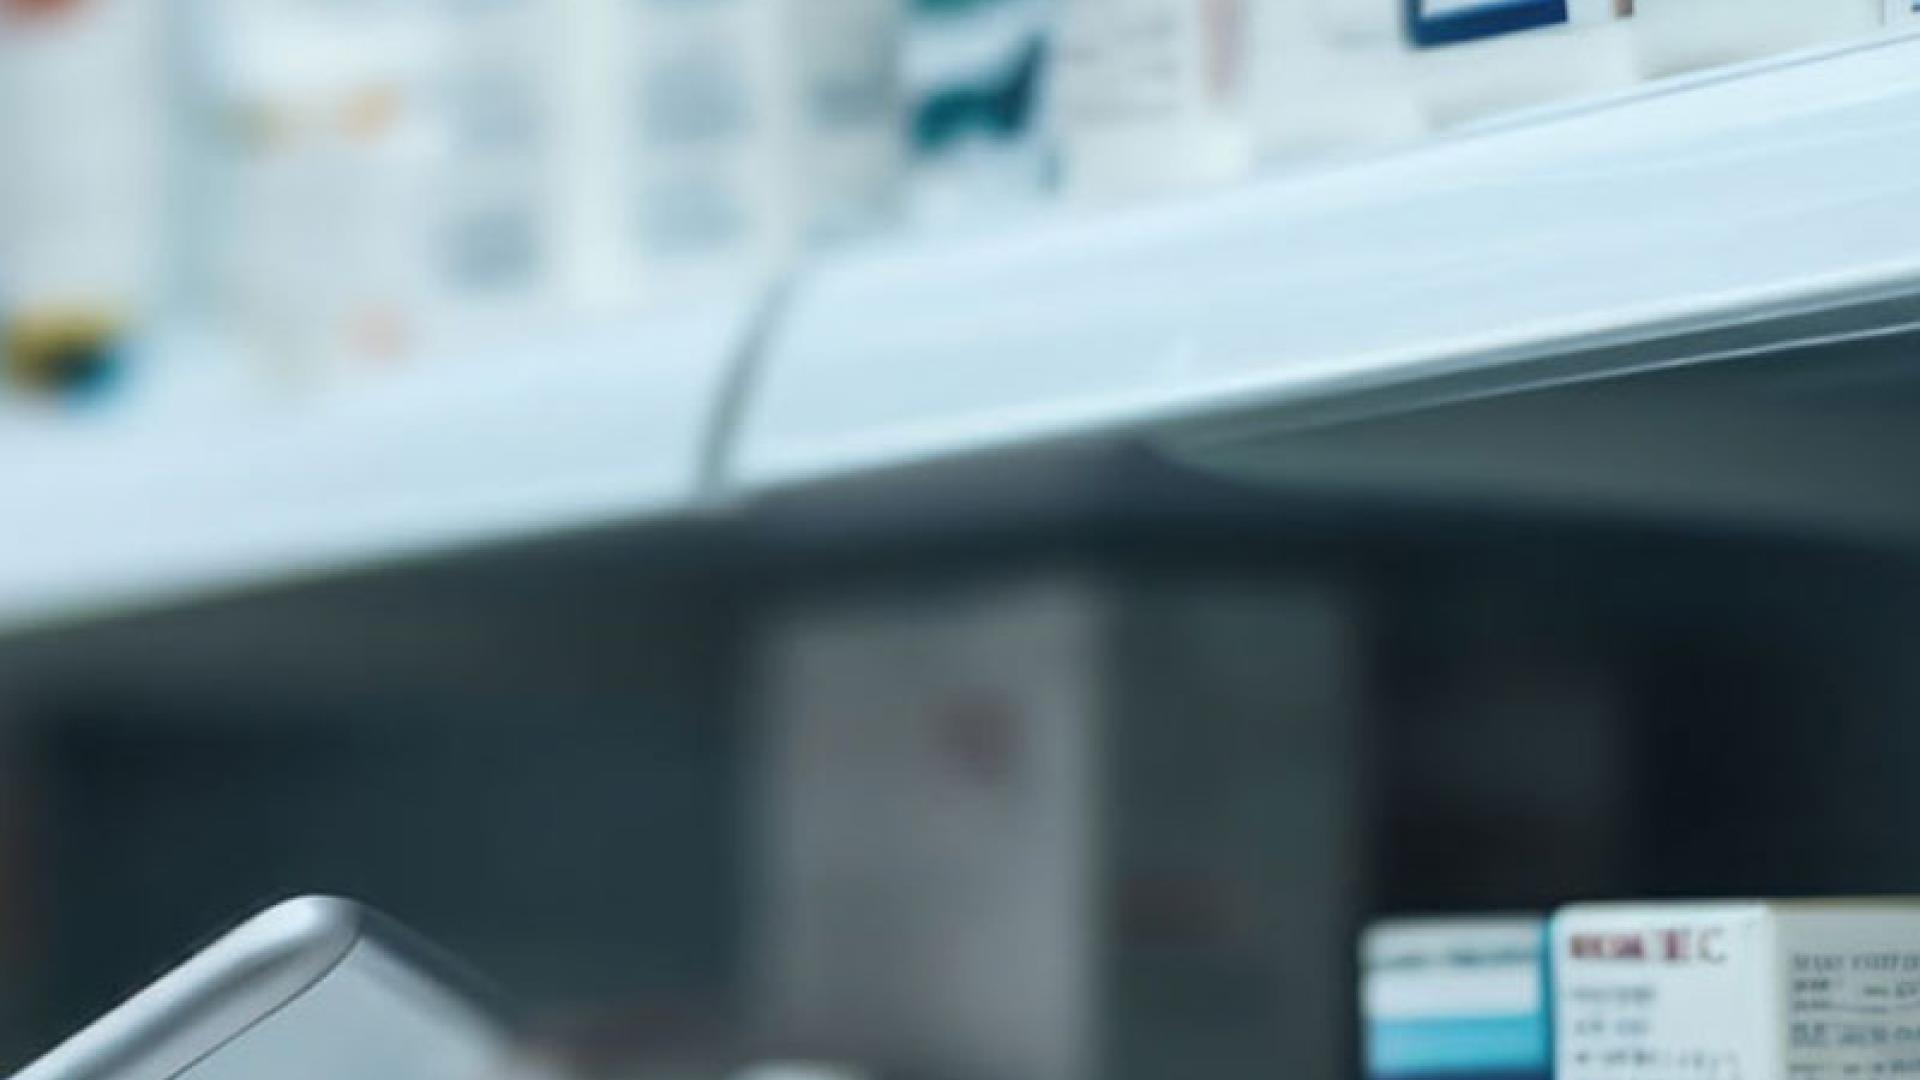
{"type": "Point", "coordinates": [1446, 22]}
{"type": "Point", "coordinates": [1457, 998]}
{"type": "Point", "coordinates": [1475, 59]}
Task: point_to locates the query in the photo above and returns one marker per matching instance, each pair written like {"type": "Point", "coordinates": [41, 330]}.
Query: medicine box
{"type": "Point", "coordinates": [1461, 998]}
{"type": "Point", "coordinates": [1448, 22]}
{"type": "Point", "coordinates": [1061, 825]}
{"type": "Point", "coordinates": [1809, 990]}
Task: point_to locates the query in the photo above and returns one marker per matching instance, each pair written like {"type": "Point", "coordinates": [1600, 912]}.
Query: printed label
{"type": "Point", "coordinates": [1790, 992]}
{"type": "Point", "coordinates": [1853, 1014]}
{"type": "Point", "coordinates": [1662, 996]}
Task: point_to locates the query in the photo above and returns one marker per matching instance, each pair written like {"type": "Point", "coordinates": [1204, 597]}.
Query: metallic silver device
{"type": "Point", "coordinates": [312, 989]}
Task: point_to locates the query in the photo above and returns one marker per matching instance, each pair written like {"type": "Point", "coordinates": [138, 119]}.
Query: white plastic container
{"type": "Point", "coordinates": [1760, 990]}
{"type": "Point", "coordinates": [1902, 12]}
{"type": "Point", "coordinates": [87, 128]}
{"type": "Point", "coordinates": [1152, 96]}
{"type": "Point", "coordinates": [1676, 36]}
{"type": "Point", "coordinates": [326, 148]}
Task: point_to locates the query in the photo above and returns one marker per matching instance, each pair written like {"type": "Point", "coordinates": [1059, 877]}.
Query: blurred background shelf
{"type": "Point", "coordinates": [1028, 648]}
{"type": "Point", "coordinates": [601, 423]}
{"type": "Point", "coordinates": [1750, 212]}
{"type": "Point", "coordinates": [1616, 304]}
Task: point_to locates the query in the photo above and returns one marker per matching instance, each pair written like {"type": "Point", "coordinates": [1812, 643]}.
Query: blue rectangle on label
{"type": "Point", "coordinates": [1449, 22]}
{"type": "Point", "coordinates": [1459, 1048]}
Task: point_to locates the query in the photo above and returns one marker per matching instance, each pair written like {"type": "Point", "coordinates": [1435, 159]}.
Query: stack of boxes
{"type": "Point", "coordinates": [1747, 990]}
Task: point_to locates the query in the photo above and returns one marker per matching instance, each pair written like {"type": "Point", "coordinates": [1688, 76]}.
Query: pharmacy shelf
{"type": "Point", "coordinates": [1717, 217]}
{"type": "Point", "coordinates": [603, 423]}
{"type": "Point", "coordinates": [1627, 230]}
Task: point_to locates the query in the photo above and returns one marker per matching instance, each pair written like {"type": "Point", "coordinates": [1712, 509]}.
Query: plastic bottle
{"type": "Point", "coordinates": [86, 136]}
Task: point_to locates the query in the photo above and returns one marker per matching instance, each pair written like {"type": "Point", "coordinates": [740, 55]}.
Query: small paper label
{"type": "Point", "coordinates": [1852, 987]}
{"type": "Point", "coordinates": [1652, 994]}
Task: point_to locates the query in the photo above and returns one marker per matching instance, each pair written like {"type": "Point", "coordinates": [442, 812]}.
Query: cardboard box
{"type": "Point", "coordinates": [1456, 997]}
{"type": "Point", "coordinates": [1152, 96]}
{"type": "Point", "coordinates": [1808, 990]}
{"type": "Point", "coordinates": [1678, 36]}
{"type": "Point", "coordinates": [1449, 22]}
{"type": "Point", "coordinates": [1062, 827]}
{"type": "Point", "coordinates": [975, 77]}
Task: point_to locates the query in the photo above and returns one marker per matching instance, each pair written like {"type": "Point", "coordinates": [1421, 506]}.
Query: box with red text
{"type": "Point", "coordinates": [1806, 990]}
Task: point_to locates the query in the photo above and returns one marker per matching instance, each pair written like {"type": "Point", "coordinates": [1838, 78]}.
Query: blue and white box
{"type": "Point", "coordinates": [1457, 999]}
{"type": "Point", "coordinates": [1447, 22]}
{"type": "Point", "coordinates": [1477, 59]}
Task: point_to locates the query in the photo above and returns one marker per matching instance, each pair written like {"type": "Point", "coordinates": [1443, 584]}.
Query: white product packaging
{"type": "Point", "coordinates": [979, 138]}
{"type": "Point", "coordinates": [698, 148]}
{"type": "Point", "coordinates": [497, 215]}
{"type": "Point", "coordinates": [1152, 96]}
{"type": "Point", "coordinates": [1329, 78]}
{"type": "Point", "coordinates": [1060, 827]}
{"type": "Point", "coordinates": [1801, 990]}
{"type": "Point", "coordinates": [87, 123]}
{"type": "Point", "coordinates": [711, 140]}
{"type": "Point", "coordinates": [1675, 36]}
{"type": "Point", "coordinates": [1452, 997]}
{"type": "Point", "coordinates": [1483, 79]}
{"type": "Point", "coordinates": [852, 139]}
{"type": "Point", "coordinates": [327, 149]}
{"type": "Point", "coordinates": [386, 179]}
{"type": "Point", "coordinates": [1902, 12]}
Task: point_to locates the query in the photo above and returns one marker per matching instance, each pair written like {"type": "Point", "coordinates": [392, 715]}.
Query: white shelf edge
{"type": "Point", "coordinates": [605, 422]}
{"type": "Point", "coordinates": [1686, 205]}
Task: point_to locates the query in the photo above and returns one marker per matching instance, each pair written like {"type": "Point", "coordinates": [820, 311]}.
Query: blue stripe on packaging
{"type": "Point", "coordinates": [1461, 1047]}
{"type": "Point", "coordinates": [1481, 21]}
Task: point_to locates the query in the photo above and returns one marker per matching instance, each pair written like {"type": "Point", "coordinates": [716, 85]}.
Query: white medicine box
{"type": "Point", "coordinates": [1678, 36]}
{"type": "Point", "coordinates": [1809, 990]}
